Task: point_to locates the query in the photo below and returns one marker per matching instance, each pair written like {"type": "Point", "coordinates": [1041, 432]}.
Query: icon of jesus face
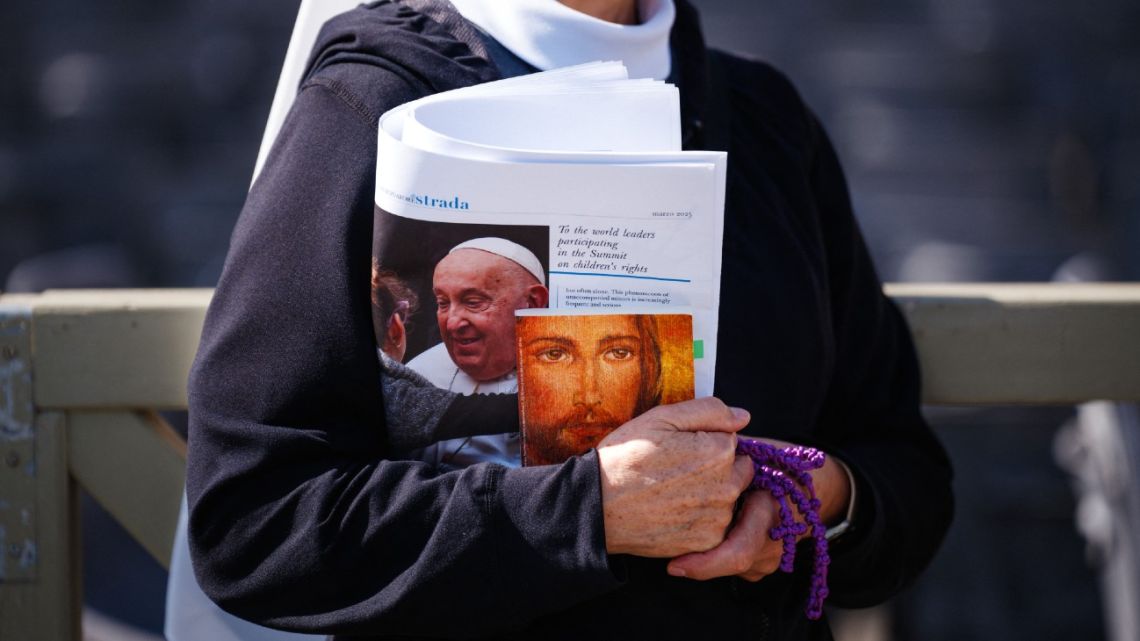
{"type": "Point", "coordinates": [581, 377]}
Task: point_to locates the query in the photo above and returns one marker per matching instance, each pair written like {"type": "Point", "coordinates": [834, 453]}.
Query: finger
{"type": "Point", "coordinates": [707, 414]}
{"type": "Point", "coordinates": [739, 553]}
{"type": "Point", "coordinates": [742, 472]}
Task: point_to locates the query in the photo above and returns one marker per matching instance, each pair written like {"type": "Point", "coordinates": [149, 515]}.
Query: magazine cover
{"type": "Point", "coordinates": [582, 375]}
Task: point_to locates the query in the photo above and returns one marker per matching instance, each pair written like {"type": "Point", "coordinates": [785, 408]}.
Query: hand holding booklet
{"type": "Point", "coordinates": [566, 190]}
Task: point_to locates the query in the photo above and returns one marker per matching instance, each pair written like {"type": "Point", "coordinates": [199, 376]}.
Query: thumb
{"type": "Point", "coordinates": [708, 414]}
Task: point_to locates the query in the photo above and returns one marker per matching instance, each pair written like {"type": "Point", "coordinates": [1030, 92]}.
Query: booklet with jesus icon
{"type": "Point", "coordinates": [584, 373]}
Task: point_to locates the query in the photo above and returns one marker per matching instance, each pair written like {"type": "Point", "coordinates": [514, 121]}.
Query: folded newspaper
{"type": "Point", "coordinates": [573, 179]}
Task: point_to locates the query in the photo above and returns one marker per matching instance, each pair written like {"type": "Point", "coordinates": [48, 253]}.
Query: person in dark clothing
{"type": "Point", "coordinates": [301, 519]}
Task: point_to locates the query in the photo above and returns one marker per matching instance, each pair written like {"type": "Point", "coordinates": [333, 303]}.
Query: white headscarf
{"type": "Point", "coordinates": [548, 34]}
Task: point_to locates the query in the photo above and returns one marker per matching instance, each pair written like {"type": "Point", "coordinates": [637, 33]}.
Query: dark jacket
{"type": "Point", "coordinates": [300, 520]}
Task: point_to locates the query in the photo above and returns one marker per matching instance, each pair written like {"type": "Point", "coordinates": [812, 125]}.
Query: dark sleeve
{"type": "Point", "coordinates": [297, 518]}
{"type": "Point", "coordinates": [871, 417]}
{"type": "Point", "coordinates": [418, 413]}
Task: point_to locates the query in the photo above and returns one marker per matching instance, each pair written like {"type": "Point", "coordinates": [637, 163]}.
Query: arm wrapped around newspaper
{"type": "Point", "coordinates": [417, 413]}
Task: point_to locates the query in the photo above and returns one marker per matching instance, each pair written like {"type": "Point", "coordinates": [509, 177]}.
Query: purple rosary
{"type": "Point", "coordinates": [782, 472]}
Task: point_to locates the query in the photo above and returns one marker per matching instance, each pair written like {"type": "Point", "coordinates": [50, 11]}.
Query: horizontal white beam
{"type": "Point", "coordinates": [978, 343]}
{"type": "Point", "coordinates": [1025, 343]}
{"type": "Point", "coordinates": [114, 348]}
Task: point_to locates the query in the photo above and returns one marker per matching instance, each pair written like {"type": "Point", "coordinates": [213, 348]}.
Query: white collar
{"type": "Point", "coordinates": [548, 34]}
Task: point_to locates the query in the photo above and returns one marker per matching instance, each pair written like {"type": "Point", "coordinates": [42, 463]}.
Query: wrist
{"type": "Point", "coordinates": [835, 488]}
{"type": "Point", "coordinates": [837, 526]}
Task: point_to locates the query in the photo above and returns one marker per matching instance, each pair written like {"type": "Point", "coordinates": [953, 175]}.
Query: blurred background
{"type": "Point", "coordinates": [984, 140]}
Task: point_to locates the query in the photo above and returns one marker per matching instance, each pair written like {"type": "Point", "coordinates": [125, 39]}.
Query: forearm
{"type": "Point", "coordinates": [905, 505]}
{"type": "Point", "coordinates": [369, 548]}
{"type": "Point", "coordinates": [418, 413]}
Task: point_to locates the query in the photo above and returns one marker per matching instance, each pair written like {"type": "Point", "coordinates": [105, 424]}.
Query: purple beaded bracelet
{"type": "Point", "coordinates": [783, 472]}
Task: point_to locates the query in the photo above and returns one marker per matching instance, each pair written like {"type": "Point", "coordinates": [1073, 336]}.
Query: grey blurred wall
{"type": "Point", "coordinates": [128, 131]}
{"type": "Point", "coordinates": [984, 140]}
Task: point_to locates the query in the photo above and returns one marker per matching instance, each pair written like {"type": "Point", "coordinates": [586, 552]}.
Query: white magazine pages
{"type": "Point", "coordinates": [581, 170]}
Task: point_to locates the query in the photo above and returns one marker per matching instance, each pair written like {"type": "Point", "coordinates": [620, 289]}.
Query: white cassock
{"type": "Point", "coordinates": [436, 365]}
